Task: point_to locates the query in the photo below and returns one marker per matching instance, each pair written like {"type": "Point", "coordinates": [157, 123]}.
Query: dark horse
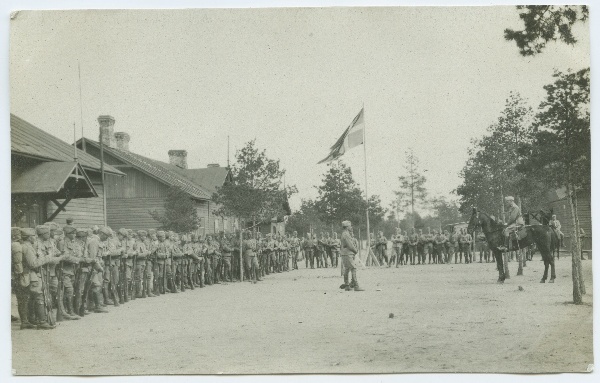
{"type": "Point", "coordinates": [541, 235]}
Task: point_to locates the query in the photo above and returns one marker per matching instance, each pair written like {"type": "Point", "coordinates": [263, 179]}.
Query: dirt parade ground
{"type": "Point", "coordinates": [446, 318]}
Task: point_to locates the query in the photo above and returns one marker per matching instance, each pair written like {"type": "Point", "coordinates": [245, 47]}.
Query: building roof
{"type": "Point", "coordinates": [161, 171]}
{"type": "Point", "coordinates": [57, 178]}
{"type": "Point", "coordinates": [30, 141]}
{"type": "Point", "coordinates": [209, 178]}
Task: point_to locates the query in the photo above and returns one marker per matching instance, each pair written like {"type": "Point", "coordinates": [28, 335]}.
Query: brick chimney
{"type": "Point", "coordinates": [107, 124]}
{"type": "Point", "coordinates": [122, 140]}
{"type": "Point", "coordinates": [178, 158]}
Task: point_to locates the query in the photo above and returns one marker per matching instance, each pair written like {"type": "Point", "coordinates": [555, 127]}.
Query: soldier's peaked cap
{"type": "Point", "coordinates": [509, 198]}
{"type": "Point", "coordinates": [151, 231]}
{"type": "Point", "coordinates": [42, 229]}
{"type": "Point", "coordinates": [142, 232]}
{"type": "Point", "coordinates": [160, 233]}
{"type": "Point", "coordinates": [82, 232]}
{"type": "Point", "coordinates": [27, 232]}
{"type": "Point", "coordinates": [346, 224]}
{"type": "Point", "coordinates": [69, 229]}
{"type": "Point", "coordinates": [122, 231]}
{"type": "Point", "coordinates": [52, 225]}
{"type": "Point", "coordinates": [105, 230]}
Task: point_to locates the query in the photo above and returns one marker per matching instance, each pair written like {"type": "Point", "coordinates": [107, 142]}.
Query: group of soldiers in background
{"type": "Point", "coordinates": [431, 247]}
{"type": "Point", "coordinates": [324, 252]}
{"type": "Point", "coordinates": [78, 271]}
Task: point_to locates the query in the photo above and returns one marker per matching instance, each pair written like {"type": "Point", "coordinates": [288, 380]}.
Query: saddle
{"type": "Point", "coordinates": [517, 234]}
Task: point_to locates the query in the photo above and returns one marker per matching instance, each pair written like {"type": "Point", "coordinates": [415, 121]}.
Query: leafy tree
{"type": "Point", "coordinates": [255, 192]}
{"type": "Point", "coordinates": [490, 173]}
{"type": "Point", "coordinates": [543, 23]}
{"type": "Point", "coordinates": [560, 154]}
{"type": "Point", "coordinates": [446, 211]}
{"type": "Point", "coordinates": [341, 199]}
{"type": "Point", "coordinates": [412, 192]}
{"type": "Point", "coordinates": [180, 214]}
{"type": "Point", "coordinates": [306, 218]}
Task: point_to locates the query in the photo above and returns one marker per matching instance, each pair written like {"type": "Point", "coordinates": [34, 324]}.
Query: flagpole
{"type": "Point", "coordinates": [366, 188]}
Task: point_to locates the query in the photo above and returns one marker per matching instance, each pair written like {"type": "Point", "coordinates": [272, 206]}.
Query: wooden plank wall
{"type": "Point", "coordinates": [133, 213]}
{"type": "Point", "coordinates": [134, 185]}
{"type": "Point", "coordinates": [86, 212]}
{"type": "Point", "coordinates": [584, 210]}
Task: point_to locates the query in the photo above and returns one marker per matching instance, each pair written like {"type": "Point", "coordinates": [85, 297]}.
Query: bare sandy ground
{"type": "Point", "coordinates": [447, 318]}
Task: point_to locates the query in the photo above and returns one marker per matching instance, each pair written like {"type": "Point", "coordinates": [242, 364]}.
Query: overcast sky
{"type": "Point", "coordinates": [429, 78]}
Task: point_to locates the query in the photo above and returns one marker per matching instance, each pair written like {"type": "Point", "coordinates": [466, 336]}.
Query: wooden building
{"type": "Point", "coordinates": [560, 206]}
{"type": "Point", "coordinates": [130, 199]}
{"type": "Point", "coordinates": [51, 180]}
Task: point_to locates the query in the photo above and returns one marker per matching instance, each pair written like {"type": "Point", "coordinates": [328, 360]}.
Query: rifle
{"type": "Point", "coordinates": [133, 270]}
{"type": "Point", "coordinates": [60, 292]}
{"type": "Point", "coordinates": [122, 281]}
{"type": "Point", "coordinates": [46, 295]}
{"type": "Point", "coordinates": [86, 291]}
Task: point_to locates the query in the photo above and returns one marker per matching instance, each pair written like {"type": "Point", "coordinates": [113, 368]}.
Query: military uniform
{"type": "Point", "coordinates": [397, 241]}
{"type": "Point", "coordinates": [348, 251]}
{"type": "Point", "coordinates": [163, 253]}
{"type": "Point", "coordinates": [249, 250]}
{"type": "Point", "coordinates": [413, 246]}
{"type": "Point", "coordinates": [465, 247]}
{"type": "Point", "coordinates": [439, 245]}
{"type": "Point", "coordinates": [35, 261]}
{"type": "Point", "coordinates": [20, 278]}
{"type": "Point", "coordinates": [73, 255]}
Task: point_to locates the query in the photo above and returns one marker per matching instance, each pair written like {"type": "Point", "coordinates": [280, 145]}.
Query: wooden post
{"type": "Point", "coordinates": [241, 252]}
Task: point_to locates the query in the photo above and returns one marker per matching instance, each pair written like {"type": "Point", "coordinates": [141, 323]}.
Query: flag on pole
{"type": "Point", "coordinates": [352, 137]}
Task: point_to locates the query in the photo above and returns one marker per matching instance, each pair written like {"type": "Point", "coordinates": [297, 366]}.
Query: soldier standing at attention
{"type": "Point", "coordinates": [98, 251]}
{"type": "Point", "coordinates": [465, 244]}
{"type": "Point", "coordinates": [348, 251]}
{"type": "Point", "coordinates": [307, 247]}
{"type": "Point", "coordinates": [129, 245]}
{"type": "Point", "coordinates": [381, 248]}
{"type": "Point", "coordinates": [249, 250]}
{"type": "Point", "coordinates": [226, 251]}
{"type": "Point", "coordinates": [20, 278]}
{"type": "Point", "coordinates": [73, 255]}
{"type": "Point", "coordinates": [335, 248]}
{"type": "Point", "coordinates": [34, 260]}
{"type": "Point", "coordinates": [142, 251]}
{"type": "Point", "coordinates": [163, 251]}
{"type": "Point", "coordinates": [422, 247]}
{"type": "Point", "coordinates": [439, 243]}
{"type": "Point", "coordinates": [397, 240]}
{"type": "Point", "coordinates": [201, 261]}
{"type": "Point", "coordinates": [413, 245]}
{"type": "Point", "coordinates": [482, 247]}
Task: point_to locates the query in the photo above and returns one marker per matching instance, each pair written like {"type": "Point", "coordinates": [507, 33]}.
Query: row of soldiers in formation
{"type": "Point", "coordinates": [432, 247]}
{"type": "Point", "coordinates": [78, 271]}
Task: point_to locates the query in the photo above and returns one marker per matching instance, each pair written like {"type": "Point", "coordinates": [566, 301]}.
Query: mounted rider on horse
{"type": "Point", "coordinates": [514, 222]}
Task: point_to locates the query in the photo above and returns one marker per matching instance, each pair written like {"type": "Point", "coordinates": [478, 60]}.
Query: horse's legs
{"type": "Point", "coordinates": [546, 264]}
{"type": "Point", "coordinates": [500, 265]}
{"type": "Point", "coordinates": [552, 271]}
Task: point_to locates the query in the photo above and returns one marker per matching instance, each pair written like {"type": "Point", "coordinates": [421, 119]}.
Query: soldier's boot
{"type": "Point", "coordinates": [24, 316]}
{"type": "Point", "coordinates": [182, 284]}
{"type": "Point", "coordinates": [201, 280]}
{"type": "Point", "coordinates": [355, 282]}
{"type": "Point", "coordinates": [70, 311]}
{"type": "Point", "coordinates": [345, 284]}
{"type": "Point", "coordinates": [126, 285]}
{"type": "Point", "coordinates": [173, 286]}
{"type": "Point", "coordinates": [116, 299]}
{"type": "Point", "coordinates": [148, 290]}
{"type": "Point", "coordinates": [99, 308]}
{"type": "Point", "coordinates": [106, 295]}
{"type": "Point", "coordinates": [43, 324]}
{"type": "Point", "coordinates": [139, 292]}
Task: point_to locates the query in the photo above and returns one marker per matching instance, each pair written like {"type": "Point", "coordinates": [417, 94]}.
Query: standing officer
{"type": "Point", "coordinates": [422, 247]}
{"type": "Point", "coordinates": [348, 251]}
{"type": "Point", "coordinates": [482, 247]}
{"type": "Point", "coordinates": [439, 244]}
{"type": "Point", "coordinates": [128, 243]}
{"type": "Point", "coordinates": [381, 248]}
{"type": "Point", "coordinates": [163, 252]}
{"type": "Point", "coordinates": [308, 251]}
{"type": "Point", "coordinates": [99, 250]}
